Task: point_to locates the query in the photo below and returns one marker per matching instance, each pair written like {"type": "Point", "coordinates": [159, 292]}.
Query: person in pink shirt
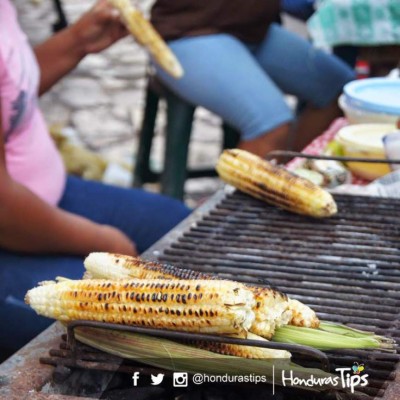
{"type": "Point", "coordinates": [49, 221]}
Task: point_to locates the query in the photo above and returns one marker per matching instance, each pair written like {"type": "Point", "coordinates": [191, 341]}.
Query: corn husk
{"type": "Point", "coordinates": [331, 336]}
{"type": "Point", "coordinates": [172, 356]}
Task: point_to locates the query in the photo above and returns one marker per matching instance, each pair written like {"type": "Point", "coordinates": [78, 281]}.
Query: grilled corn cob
{"type": "Point", "coordinates": [118, 266]}
{"type": "Point", "coordinates": [144, 32]}
{"type": "Point", "coordinates": [272, 309]}
{"type": "Point", "coordinates": [260, 353]}
{"type": "Point", "coordinates": [193, 306]}
{"type": "Point", "coordinates": [274, 184]}
{"type": "Point", "coordinates": [325, 335]}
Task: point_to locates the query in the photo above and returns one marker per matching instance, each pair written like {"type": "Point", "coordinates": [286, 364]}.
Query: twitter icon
{"type": "Point", "coordinates": [156, 380]}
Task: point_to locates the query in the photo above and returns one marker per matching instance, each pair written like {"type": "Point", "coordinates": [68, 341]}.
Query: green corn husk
{"type": "Point", "coordinates": [331, 336]}
{"type": "Point", "coordinates": [169, 355]}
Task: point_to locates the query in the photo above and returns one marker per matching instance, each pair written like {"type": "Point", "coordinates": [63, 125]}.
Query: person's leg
{"type": "Point", "coordinates": [223, 76]}
{"type": "Point", "coordinates": [18, 274]}
{"type": "Point", "coordinates": [312, 122]}
{"type": "Point", "coordinates": [276, 139]}
{"type": "Point", "coordinates": [145, 217]}
{"type": "Point", "coordinates": [308, 73]}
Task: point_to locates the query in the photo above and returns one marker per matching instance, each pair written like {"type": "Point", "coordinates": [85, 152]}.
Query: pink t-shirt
{"type": "Point", "coordinates": [31, 156]}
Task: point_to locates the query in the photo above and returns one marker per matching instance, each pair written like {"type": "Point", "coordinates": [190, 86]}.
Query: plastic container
{"type": "Point", "coordinates": [371, 100]}
{"type": "Point", "coordinates": [359, 116]}
{"type": "Point", "coordinates": [366, 141]}
{"type": "Point", "coordinates": [379, 95]}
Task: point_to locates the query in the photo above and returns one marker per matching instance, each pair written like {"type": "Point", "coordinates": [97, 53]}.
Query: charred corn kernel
{"type": "Point", "coordinates": [271, 307]}
{"type": "Point", "coordinates": [273, 184]}
{"type": "Point", "coordinates": [186, 305]}
{"type": "Point", "coordinates": [237, 350]}
{"type": "Point", "coordinates": [144, 32]}
{"type": "Point", "coordinates": [302, 315]}
{"type": "Point", "coordinates": [271, 311]}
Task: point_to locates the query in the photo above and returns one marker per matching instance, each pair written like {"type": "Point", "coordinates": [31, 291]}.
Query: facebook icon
{"type": "Point", "coordinates": [135, 378]}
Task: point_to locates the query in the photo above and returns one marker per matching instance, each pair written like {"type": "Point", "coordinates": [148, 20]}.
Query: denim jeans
{"type": "Point", "coordinates": [245, 84]}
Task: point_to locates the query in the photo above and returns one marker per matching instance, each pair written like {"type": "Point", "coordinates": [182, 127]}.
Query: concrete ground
{"type": "Point", "coordinates": [102, 99]}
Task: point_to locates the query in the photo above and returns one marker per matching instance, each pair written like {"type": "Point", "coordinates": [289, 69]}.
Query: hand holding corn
{"type": "Point", "coordinates": [274, 185]}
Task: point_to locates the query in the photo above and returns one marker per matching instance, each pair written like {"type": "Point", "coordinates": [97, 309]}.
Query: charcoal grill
{"type": "Point", "coordinates": [345, 267]}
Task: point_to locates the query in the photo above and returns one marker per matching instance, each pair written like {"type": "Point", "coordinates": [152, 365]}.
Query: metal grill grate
{"type": "Point", "coordinates": [346, 267]}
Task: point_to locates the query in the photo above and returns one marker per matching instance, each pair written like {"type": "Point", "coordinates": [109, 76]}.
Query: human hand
{"type": "Point", "coordinates": [117, 242]}
{"type": "Point", "coordinates": [99, 28]}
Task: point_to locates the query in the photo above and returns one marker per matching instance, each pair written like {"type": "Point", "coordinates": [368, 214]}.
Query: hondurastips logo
{"type": "Point", "coordinates": [346, 378]}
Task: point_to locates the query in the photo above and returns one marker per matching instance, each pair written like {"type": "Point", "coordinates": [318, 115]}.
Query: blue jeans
{"type": "Point", "coordinates": [143, 216]}
{"type": "Point", "coordinates": [245, 84]}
